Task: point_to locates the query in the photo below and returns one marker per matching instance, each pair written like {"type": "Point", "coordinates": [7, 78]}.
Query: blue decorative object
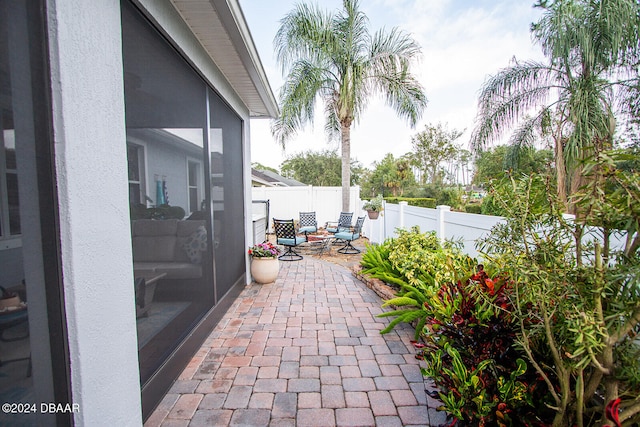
{"type": "Point", "coordinates": [160, 200]}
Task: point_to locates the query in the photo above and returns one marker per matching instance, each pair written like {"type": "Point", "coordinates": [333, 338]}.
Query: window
{"type": "Point", "coordinates": [195, 195]}
{"type": "Point", "coordinates": [9, 200]}
{"type": "Point", "coordinates": [137, 187]}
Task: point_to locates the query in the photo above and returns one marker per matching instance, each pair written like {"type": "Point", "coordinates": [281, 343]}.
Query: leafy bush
{"type": "Point", "coordinates": [473, 208]}
{"type": "Point", "coordinates": [471, 356]}
{"type": "Point", "coordinates": [578, 301]}
{"type": "Point", "coordinates": [422, 202]}
{"type": "Point", "coordinates": [415, 258]}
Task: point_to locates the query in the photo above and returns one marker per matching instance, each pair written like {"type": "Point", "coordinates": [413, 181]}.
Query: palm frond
{"type": "Point", "coordinates": [332, 124]}
{"type": "Point", "coordinates": [510, 95]}
{"type": "Point", "coordinates": [297, 99]}
{"type": "Point", "coordinates": [305, 33]}
{"type": "Point", "coordinates": [351, 26]}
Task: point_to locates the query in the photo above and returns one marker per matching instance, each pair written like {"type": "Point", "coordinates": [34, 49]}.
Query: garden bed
{"type": "Point", "coordinates": [383, 290]}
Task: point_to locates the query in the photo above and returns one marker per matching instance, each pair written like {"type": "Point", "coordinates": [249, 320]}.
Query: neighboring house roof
{"type": "Point", "coordinates": [272, 179]}
{"type": "Point", "coordinates": [222, 30]}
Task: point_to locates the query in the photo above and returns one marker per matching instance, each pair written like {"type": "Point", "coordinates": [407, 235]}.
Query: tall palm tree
{"type": "Point", "coordinates": [334, 57]}
{"type": "Point", "coordinates": [572, 98]}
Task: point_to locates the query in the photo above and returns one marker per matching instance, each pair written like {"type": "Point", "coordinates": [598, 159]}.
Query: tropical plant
{"type": "Point", "coordinates": [592, 54]}
{"type": "Point", "coordinates": [415, 264]}
{"type": "Point", "coordinates": [466, 322]}
{"type": "Point", "coordinates": [470, 354]}
{"type": "Point", "coordinates": [576, 294]}
{"type": "Point", "coordinates": [334, 56]}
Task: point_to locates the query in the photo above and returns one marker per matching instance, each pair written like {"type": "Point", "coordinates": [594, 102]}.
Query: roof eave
{"type": "Point", "coordinates": [232, 49]}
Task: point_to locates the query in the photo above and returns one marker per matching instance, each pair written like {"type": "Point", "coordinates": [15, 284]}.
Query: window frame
{"type": "Point", "coordinates": [198, 185]}
{"type": "Point", "coordinates": [141, 148]}
{"type": "Point", "coordinates": [7, 239]}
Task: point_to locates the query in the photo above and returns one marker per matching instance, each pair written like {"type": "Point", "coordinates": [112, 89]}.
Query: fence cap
{"type": "Point", "coordinates": [443, 207]}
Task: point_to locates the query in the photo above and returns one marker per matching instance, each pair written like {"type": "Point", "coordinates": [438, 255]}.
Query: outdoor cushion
{"type": "Point", "coordinates": [345, 235]}
{"type": "Point", "coordinates": [159, 247]}
{"type": "Point", "coordinates": [308, 229]}
{"type": "Point", "coordinates": [196, 244]}
{"type": "Point", "coordinates": [291, 242]}
{"type": "Point", "coordinates": [153, 248]}
{"type": "Point", "coordinates": [151, 227]}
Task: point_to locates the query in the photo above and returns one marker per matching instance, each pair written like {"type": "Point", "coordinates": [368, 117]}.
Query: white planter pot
{"type": "Point", "coordinates": [265, 270]}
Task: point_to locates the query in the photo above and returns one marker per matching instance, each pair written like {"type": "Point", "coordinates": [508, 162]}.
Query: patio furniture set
{"type": "Point", "coordinates": [337, 232]}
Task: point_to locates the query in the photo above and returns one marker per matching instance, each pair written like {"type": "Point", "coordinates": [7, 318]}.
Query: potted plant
{"type": "Point", "coordinates": [374, 206]}
{"type": "Point", "coordinates": [264, 262]}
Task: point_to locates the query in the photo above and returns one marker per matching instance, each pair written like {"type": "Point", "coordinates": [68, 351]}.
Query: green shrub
{"type": "Point", "coordinates": [577, 297]}
{"type": "Point", "coordinates": [422, 202]}
{"type": "Point", "coordinates": [471, 356]}
{"type": "Point", "coordinates": [466, 321]}
{"type": "Point", "coordinates": [473, 208]}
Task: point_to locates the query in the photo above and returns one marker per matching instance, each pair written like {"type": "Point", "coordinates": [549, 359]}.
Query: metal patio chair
{"type": "Point", "coordinates": [286, 236]}
{"type": "Point", "coordinates": [343, 224]}
{"type": "Point", "coordinates": [350, 236]}
{"type": "Point", "coordinates": [308, 224]}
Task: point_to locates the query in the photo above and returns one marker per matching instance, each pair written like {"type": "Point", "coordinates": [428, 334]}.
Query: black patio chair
{"type": "Point", "coordinates": [343, 224]}
{"type": "Point", "coordinates": [286, 236]}
{"type": "Point", "coordinates": [308, 224]}
{"type": "Point", "coordinates": [350, 236]}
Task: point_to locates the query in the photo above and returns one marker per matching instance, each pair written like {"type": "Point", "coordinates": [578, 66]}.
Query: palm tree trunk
{"type": "Point", "coordinates": [346, 166]}
{"type": "Point", "coordinates": [561, 172]}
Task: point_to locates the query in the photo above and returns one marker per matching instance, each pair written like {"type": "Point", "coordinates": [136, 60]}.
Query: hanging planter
{"type": "Point", "coordinates": [374, 206]}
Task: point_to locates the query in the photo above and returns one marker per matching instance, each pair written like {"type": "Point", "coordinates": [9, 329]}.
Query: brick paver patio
{"type": "Point", "coordinates": [303, 351]}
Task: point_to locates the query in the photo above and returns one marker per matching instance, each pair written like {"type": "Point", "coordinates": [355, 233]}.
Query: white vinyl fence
{"type": "Point", "coordinates": [457, 226]}
{"type": "Point", "coordinates": [288, 202]}
{"type": "Point", "coordinates": [448, 225]}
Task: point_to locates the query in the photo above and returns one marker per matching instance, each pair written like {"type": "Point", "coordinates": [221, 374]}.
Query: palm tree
{"type": "Point", "coordinates": [334, 57]}
{"type": "Point", "coordinates": [591, 46]}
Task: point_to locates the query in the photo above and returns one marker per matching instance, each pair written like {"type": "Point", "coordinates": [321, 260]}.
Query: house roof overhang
{"type": "Point", "coordinates": [221, 28]}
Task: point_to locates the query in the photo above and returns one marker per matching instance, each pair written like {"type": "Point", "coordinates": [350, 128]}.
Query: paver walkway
{"type": "Point", "coordinates": [303, 351]}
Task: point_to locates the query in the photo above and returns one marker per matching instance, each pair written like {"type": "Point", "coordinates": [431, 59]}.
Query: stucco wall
{"type": "Point", "coordinates": [90, 149]}
{"type": "Point", "coordinates": [89, 131]}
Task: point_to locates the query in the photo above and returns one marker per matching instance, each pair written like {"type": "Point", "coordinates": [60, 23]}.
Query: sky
{"type": "Point", "coordinates": [463, 42]}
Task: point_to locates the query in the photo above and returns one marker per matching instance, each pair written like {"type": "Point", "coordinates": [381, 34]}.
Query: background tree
{"type": "Point", "coordinates": [389, 177]}
{"type": "Point", "coordinates": [433, 146]}
{"type": "Point", "coordinates": [319, 168]}
{"type": "Point", "coordinates": [462, 163]}
{"type": "Point", "coordinates": [591, 47]}
{"type": "Point", "coordinates": [333, 56]}
{"type": "Point", "coordinates": [260, 166]}
{"type": "Point", "coordinates": [494, 163]}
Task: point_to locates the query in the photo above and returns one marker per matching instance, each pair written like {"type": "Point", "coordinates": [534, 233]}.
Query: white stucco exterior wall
{"type": "Point", "coordinates": [89, 131]}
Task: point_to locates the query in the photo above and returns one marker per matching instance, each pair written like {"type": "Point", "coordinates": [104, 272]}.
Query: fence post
{"type": "Point", "coordinates": [401, 213]}
{"type": "Point", "coordinates": [441, 211]}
